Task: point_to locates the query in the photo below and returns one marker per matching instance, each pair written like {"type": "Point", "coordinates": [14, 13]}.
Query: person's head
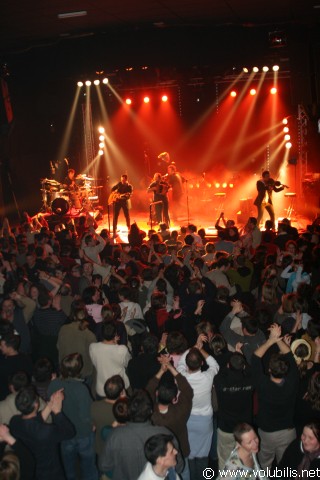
{"type": "Point", "coordinates": [124, 293]}
{"type": "Point", "coordinates": [71, 365]}
{"type": "Point", "coordinates": [7, 308]}
{"type": "Point", "coordinates": [269, 292]}
{"type": "Point", "coordinates": [150, 344]}
{"type": "Point", "coordinates": [310, 437]}
{"type": "Point", "coordinates": [9, 467]}
{"type": "Point", "coordinates": [140, 407]}
{"type": "Point", "coordinates": [90, 295]}
{"type": "Point", "coordinates": [222, 294]}
{"type": "Point", "coordinates": [265, 175]}
{"type": "Point", "coordinates": [124, 179]}
{"type": "Point", "coordinates": [71, 173]}
{"type": "Point", "coordinates": [43, 370]}
{"type": "Point", "coordinates": [278, 366]}
{"type": "Point", "coordinates": [109, 330]}
{"type": "Point", "coordinates": [167, 391]}
{"type": "Point", "coordinates": [9, 343]}
{"type": "Point", "coordinates": [17, 381]}
{"type": "Point", "coordinates": [87, 269]}
{"type": "Point", "coordinates": [176, 343]}
{"type": "Point", "coordinates": [218, 344]}
{"type": "Point", "coordinates": [291, 247]}
{"type": "Point", "coordinates": [223, 263]}
{"type": "Point", "coordinates": [159, 450]}
{"type": "Point", "coordinates": [114, 387]}
{"type": "Point", "coordinates": [249, 325]}
{"type": "Point", "coordinates": [313, 393]}
{"type": "Point", "coordinates": [172, 169]}
{"type": "Point", "coordinates": [246, 438]}
{"type": "Point", "coordinates": [205, 328]}
{"type": "Point", "coordinates": [120, 410]}
{"type": "Point", "coordinates": [237, 362]}
{"type": "Point", "coordinates": [209, 248]}
{"type": "Point", "coordinates": [27, 400]}
{"type": "Point", "coordinates": [194, 360]}
{"type": "Point", "coordinates": [288, 301]}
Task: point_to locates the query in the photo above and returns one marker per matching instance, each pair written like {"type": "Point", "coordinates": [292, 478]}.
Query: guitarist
{"type": "Point", "coordinates": [120, 194]}
{"type": "Point", "coordinates": [160, 189]}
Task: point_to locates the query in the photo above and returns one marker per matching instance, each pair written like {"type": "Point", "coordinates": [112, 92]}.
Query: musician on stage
{"type": "Point", "coordinates": [265, 186]}
{"type": "Point", "coordinates": [175, 181]}
{"type": "Point", "coordinates": [120, 196]}
{"type": "Point", "coordinates": [70, 182]}
{"type": "Point", "coordinates": [160, 188]}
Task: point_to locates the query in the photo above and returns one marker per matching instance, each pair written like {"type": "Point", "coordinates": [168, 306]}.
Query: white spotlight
{"type": "Point", "coordinates": [101, 129]}
{"type": "Point", "coordinates": [105, 81]}
{"type": "Point", "coordinates": [255, 69]}
{"type": "Point", "coordinates": [88, 83]}
{"type": "Point", "coordinates": [265, 69]}
{"type": "Point", "coordinates": [80, 84]}
{"type": "Point", "coordinates": [96, 82]}
{"type": "Point", "coordinates": [275, 68]}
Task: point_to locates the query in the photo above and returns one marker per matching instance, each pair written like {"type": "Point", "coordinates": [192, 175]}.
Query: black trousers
{"type": "Point", "coordinates": [117, 206]}
{"type": "Point", "coordinates": [261, 208]}
{"type": "Point", "coordinates": [162, 210]}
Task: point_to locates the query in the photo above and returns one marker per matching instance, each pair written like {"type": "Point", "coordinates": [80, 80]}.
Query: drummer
{"type": "Point", "coordinates": [69, 182]}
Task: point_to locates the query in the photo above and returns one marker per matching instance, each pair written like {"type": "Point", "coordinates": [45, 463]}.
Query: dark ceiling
{"type": "Point", "coordinates": [26, 25]}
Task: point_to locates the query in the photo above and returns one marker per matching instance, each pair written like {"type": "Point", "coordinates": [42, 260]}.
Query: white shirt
{"type": "Point", "coordinates": [148, 474]}
{"type": "Point", "coordinates": [109, 360]}
{"type": "Point", "coordinates": [201, 383]}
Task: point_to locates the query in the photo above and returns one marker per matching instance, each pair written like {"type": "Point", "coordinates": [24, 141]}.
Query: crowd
{"type": "Point", "coordinates": [158, 358]}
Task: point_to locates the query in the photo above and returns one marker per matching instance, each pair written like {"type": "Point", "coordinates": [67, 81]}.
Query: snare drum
{"type": "Point", "coordinates": [60, 206]}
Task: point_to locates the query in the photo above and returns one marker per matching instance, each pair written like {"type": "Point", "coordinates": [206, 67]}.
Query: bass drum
{"type": "Point", "coordinates": [60, 206]}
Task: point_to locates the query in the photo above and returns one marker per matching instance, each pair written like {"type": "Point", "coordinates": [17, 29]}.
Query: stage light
{"type": "Point", "coordinates": [190, 185]}
{"type": "Point", "coordinates": [101, 145]}
{"type": "Point", "coordinates": [255, 69]}
{"type": "Point", "coordinates": [80, 84]}
{"type": "Point", "coordinates": [275, 68]}
{"type": "Point", "coordinates": [288, 145]}
{"type": "Point", "coordinates": [164, 98]}
{"type": "Point", "coordinates": [285, 121]}
{"type": "Point", "coordinates": [88, 83]}
{"type": "Point", "coordinates": [101, 138]}
{"type": "Point", "coordinates": [253, 91]}
{"type": "Point", "coordinates": [224, 185]}
{"type": "Point", "coordinates": [128, 101]}
{"type": "Point", "coordinates": [286, 130]}
{"type": "Point", "coordinates": [245, 70]}
{"type": "Point", "coordinates": [101, 129]}
{"type": "Point", "coordinates": [100, 152]}
{"type": "Point", "coordinates": [146, 99]}
{"type": "Point", "coordinates": [96, 82]}
{"type": "Point", "coordinates": [233, 93]}
{"type": "Point", "coordinates": [217, 185]}
{"type": "Point", "coordinates": [265, 69]}
{"type": "Point", "coordinates": [231, 185]}
{"type": "Point", "coordinates": [198, 185]}
{"type": "Point", "coordinates": [273, 90]}
{"type": "Point", "coordinates": [105, 81]}
{"type": "Point", "coordinates": [209, 185]}
{"type": "Point", "coordinates": [287, 137]}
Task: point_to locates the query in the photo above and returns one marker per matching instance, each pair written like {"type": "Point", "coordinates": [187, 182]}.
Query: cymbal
{"type": "Point", "coordinates": [90, 179]}
{"type": "Point", "coordinates": [50, 181]}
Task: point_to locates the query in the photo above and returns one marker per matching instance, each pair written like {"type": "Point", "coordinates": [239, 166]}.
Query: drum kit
{"type": "Point", "coordinates": [58, 199]}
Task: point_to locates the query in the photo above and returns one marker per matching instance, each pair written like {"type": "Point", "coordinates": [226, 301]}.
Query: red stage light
{"type": "Point", "coordinates": [273, 90]}
{"type": "Point", "coordinates": [253, 91]}
{"type": "Point", "coordinates": [233, 93]}
{"type": "Point", "coordinates": [164, 98]}
{"type": "Point", "coordinates": [128, 101]}
{"type": "Point", "coordinates": [217, 185]}
{"type": "Point", "coordinates": [146, 99]}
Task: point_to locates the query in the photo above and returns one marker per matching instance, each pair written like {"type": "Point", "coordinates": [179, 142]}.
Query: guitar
{"type": "Point", "coordinates": [115, 197]}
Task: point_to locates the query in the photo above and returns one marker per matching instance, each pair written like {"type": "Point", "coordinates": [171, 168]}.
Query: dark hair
{"type": "Point", "coordinates": [120, 410]}
{"type": "Point", "coordinates": [113, 387]}
{"type": "Point", "coordinates": [157, 446]}
{"type": "Point", "coordinates": [194, 359]}
{"type": "Point", "coordinates": [107, 312]}
{"type": "Point", "coordinates": [19, 380]}
{"type": "Point", "coordinates": [158, 300]}
{"type": "Point", "coordinates": [125, 292]}
{"type": "Point", "coordinates": [167, 391]}
{"type": "Point", "coordinates": [88, 293]}
{"type": "Point", "coordinates": [176, 343]}
{"type": "Point", "coordinates": [109, 330]}
{"type": "Point", "coordinates": [217, 344]}
{"type": "Point", "coordinates": [313, 394]}
{"type": "Point", "coordinates": [240, 429]}
{"type": "Point", "coordinates": [71, 365]}
{"type": "Point", "coordinates": [140, 407]}
{"type": "Point", "coordinates": [237, 362]}
{"type": "Point", "coordinates": [278, 366]}
{"type": "Point", "coordinates": [26, 400]}
{"type": "Point", "coordinates": [12, 340]}
{"type": "Point", "coordinates": [43, 370]}
{"type": "Point", "coordinates": [188, 239]}
{"type": "Point", "coordinates": [250, 324]}
{"type": "Point", "coordinates": [265, 173]}
{"type": "Point", "coordinates": [150, 344]}
{"type": "Point", "coordinates": [43, 297]}
{"type": "Point", "coordinates": [222, 262]}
